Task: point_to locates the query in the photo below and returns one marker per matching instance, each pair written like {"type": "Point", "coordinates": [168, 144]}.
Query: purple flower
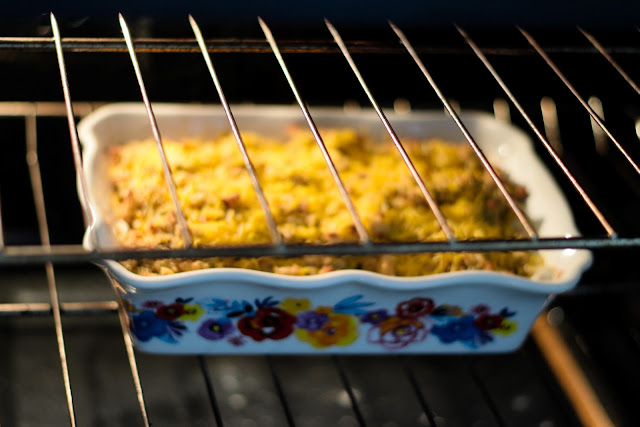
{"type": "Point", "coordinates": [216, 329]}
{"type": "Point", "coordinates": [376, 316]}
{"type": "Point", "coordinates": [146, 325]}
{"type": "Point", "coordinates": [311, 320]}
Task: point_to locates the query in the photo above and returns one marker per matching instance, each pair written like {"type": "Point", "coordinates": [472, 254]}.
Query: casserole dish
{"type": "Point", "coordinates": [235, 311]}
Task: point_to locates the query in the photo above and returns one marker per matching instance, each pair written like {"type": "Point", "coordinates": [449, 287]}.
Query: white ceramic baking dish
{"type": "Point", "coordinates": [234, 311]}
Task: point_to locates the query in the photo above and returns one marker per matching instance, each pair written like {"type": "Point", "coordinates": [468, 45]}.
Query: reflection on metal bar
{"type": "Point", "coordinates": [182, 221]}
{"type": "Point", "coordinates": [592, 113]}
{"type": "Point", "coordinates": [418, 392]}
{"type": "Point", "coordinates": [405, 156]}
{"type": "Point", "coordinates": [550, 121]}
{"type": "Point", "coordinates": [55, 109]}
{"type": "Point", "coordinates": [280, 392]}
{"type": "Point", "coordinates": [353, 398]}
{"type": "Point", "coordinates": [609, 58]}
{"type": "Point", "coordinates": [357, 222]}
{"type": "Point", "coordinates": [87, 214]}
{"type": "Point", "coordinates": [69, 308]}
{"type": "Point", "coordinates": [210, 391]}
{"type": "Point", "coordinates": [585, 401]}
{"type": "Point", "coordinates": [599, 137]}
{"type": "Point", "coordinates": [43, 228]}
{"type": "Point", "coordinates": [455, 105]}
{"type": "Point", "coordinates": [528, 228]}
{"type": "Point", "coordinates": [501, 110]}
{"type": "Point", "coordinates": [401, 106]}
{"type": "Point", "coordinates": [128, 344]}
{"type": "Point", "coordinates": [21, 255]}
{"type": "Point", "coordinates": [275, 236]}
{"type": "Point", "coordinates": [610, 231]}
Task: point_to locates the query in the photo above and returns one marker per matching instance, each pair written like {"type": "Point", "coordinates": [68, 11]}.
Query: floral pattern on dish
{"type": "Point", "coordinates": [350, 320]}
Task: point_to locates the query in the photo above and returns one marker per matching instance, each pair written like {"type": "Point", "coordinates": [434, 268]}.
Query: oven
{"type": "Point", "coordinates": [67, 358]}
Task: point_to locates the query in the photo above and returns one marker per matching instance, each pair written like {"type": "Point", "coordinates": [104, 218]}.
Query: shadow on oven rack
{"type": "Point", "coordinates": [577, 98]}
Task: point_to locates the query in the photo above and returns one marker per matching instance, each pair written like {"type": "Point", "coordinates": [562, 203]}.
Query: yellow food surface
{"type": "Point", "coordinates": [221, 206]}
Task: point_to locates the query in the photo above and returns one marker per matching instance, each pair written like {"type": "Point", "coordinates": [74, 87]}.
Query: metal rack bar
{"type": "Point", "coordinates": [528, 228]}
{"type": "Point", "coordinates": [1, 230]}
{"type": "Point", "coordinates": [185, 45]}
{"type": "Point", "coordinates": [133, 365]}
{"type": "Point", "coordinates": [280, 392]}
{"type": "Point", "coordinates": [488, 398]}
{"type": "Point", "coordinates": [182, 221]}
{"type": "Point", "coordinates": [20, 255]}
{"type": "Point", "coordinates": [357, 222]}
{"type": "Point", "coordinates": [347, 386]}
{"type": "Point", "coordinates": [609, 229]}
{"type": "Point", "coordinates": [418, 392]}
{"type": "Point", "coordinates": [210, 391]}
{"type": "Point", "coordinates": [586, 403]}
{"type": "Point", "coordinates": [66, 308]}
{"type": "Point", "coordinates": [585, 104]}
{"type": "Point", "coordinates": [403, 153]}
{"type": "Point", "coordinates": [609, 58]}
{"type": "Point", "coordinates": [271, 223]}
{"type": "Point", "coordinates": [44, 109]}
{"type": "Point", "coordinates": [73, 131]}
{"type": "Point", "coordinates": [43, 228]}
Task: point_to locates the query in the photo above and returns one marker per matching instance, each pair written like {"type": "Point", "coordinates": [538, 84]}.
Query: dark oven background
{"type": "Point", "coordinates": [598, 321]}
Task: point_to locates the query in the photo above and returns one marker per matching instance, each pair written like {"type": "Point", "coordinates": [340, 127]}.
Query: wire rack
{"type": "Point", "coordinates": [350, 404]}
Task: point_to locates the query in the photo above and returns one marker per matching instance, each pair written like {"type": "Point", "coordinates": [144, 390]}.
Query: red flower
{"type": "Point", "coordinates": [415, 307]}
{"type": "Point", "coordinates": [486, 322]}
{"type": "Point", "coordinates": [268, 322]}
{"type": "Point", "coordinates": [170, 312]}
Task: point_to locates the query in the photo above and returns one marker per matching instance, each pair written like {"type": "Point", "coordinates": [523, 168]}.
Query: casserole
{"type": "Point", "coordinates": [234, 311]}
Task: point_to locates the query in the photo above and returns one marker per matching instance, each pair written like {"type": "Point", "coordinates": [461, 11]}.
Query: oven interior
{"type": "Point", "coordinates": [66, 359]}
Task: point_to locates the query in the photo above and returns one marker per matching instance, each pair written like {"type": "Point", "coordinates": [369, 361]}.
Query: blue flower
{"type": "Point", "coordinates": [460, 329]}
{"type": "Point", "coordinates": [351, 305]}
{"type": "Point", "coordinates": [146, 325]}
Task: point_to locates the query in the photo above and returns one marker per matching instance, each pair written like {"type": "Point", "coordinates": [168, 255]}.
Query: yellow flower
{"type": "Point", "coordinates": [399, 325]}
{"type": "Point", "coordinates": [340, 329]}
{"type": "Point", "coordinates": [453, 310]}
{"type": "Point", "coordinates": [506, 327]}
{"type": "Point", "coordinates": [295, 305]}
{"type": "Point", "coordinates": [192, 312]}
{"type": "Point", "coordinates": [324, 310]}
{"type": "Point", "coordinates": [128, 306]}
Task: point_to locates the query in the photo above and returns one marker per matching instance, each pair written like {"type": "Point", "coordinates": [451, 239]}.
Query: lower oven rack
{"type": "Point", "coordinates": [496, 390]}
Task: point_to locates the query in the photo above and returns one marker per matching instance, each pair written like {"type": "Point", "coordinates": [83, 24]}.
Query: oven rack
{"type": "Point", "coordinates": [607, 238]}
{"type": "Point", "coordinates": [49, 254]}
